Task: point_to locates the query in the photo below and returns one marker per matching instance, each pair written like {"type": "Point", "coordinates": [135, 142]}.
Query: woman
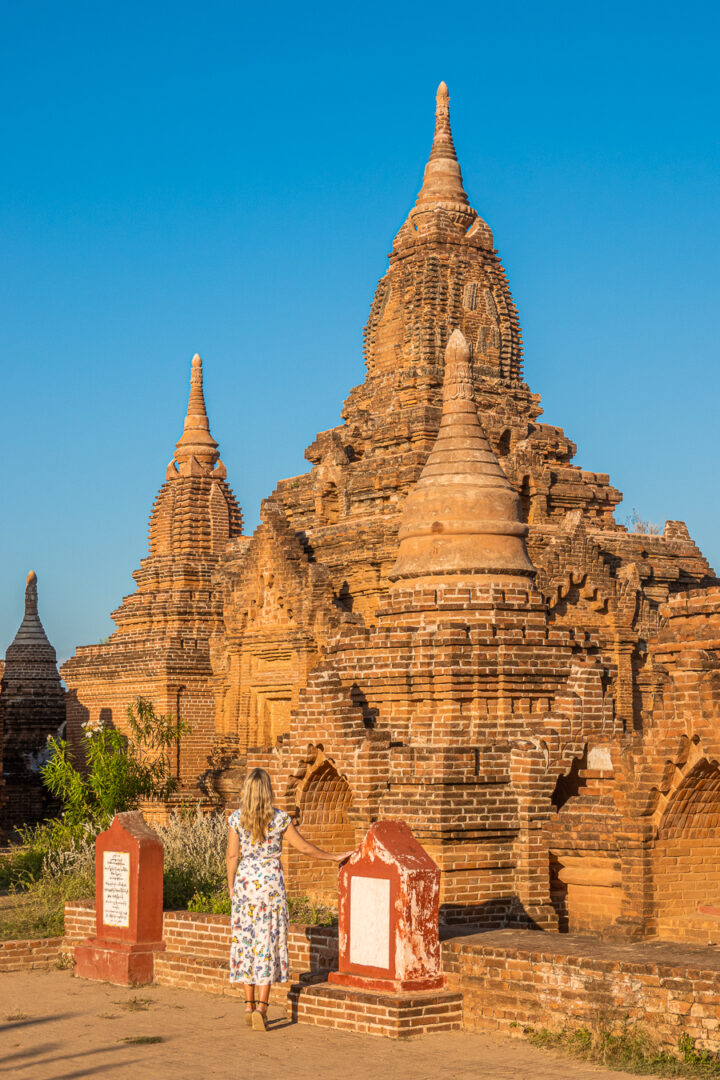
{"type": "Point", "coordinates": [259, 953]}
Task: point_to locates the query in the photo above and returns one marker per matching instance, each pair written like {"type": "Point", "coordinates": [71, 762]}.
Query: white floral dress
{"type": "Point", "coordinates": [259, 951]}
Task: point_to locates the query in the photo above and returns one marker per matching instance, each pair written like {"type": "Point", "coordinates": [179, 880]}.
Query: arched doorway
{"type": "Point", "coordinates": [687, 860]}
{"type": "Point", "coordinates": [324, 804]}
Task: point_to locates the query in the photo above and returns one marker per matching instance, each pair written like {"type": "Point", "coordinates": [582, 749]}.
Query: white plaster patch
{"type": "Point", "coordinates": [599, 758]}
{"type": "Point", "coordinates": [370, 922]}
{"type": "Point", "coordinates": [116, 888]}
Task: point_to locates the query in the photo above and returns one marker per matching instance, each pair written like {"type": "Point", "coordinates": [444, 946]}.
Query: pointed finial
{"type": "Point", "coordinates": [196, 404]}
{"type": "Point", "coordinates": [31, 594]}
{"type": "Point", "coordinates": [196, 442]}
{"type": "Point", "coordinates": [31, 635]}
{"type": "Point", "coordinates": [442, 183]}
{"type": "Point", "coordinates": [463, 515]}
{"type": "Point", "coordinates": [457, 381]}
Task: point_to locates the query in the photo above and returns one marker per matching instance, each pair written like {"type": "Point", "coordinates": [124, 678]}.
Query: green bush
{"type": "Point", "coordinates": [217, 903]}
{"type": "Point", "coordinates": [195, 845]}
{"type": "Point", "coordinates": [42, 880]}
{"type": "Point", "coordinates": [120, 770]}
{"type": "Point", "coordinates": [307, 911]}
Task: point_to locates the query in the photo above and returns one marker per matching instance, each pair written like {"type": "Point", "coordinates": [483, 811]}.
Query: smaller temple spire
{"type": "Point", "coordinates": [31, 633]}
{"type": "Point", "coordinates": [463, 515]}
{"type": "Point", "coordinates": [196, 450]}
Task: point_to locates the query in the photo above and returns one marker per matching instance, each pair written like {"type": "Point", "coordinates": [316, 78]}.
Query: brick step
{"type": "Point", "coordinates": [368, 1012]}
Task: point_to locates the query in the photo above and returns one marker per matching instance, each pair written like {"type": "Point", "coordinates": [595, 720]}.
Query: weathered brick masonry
{"type": "Point", "coordinates": [31, 955]}
{"type": "Point", "coordinates": [443, 622]}
{"type": "Point", "coordinates": [511, 979]}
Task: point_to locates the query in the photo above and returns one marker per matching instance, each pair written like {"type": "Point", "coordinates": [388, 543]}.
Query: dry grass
{"type": "Point", "coordinates": [135, 1004]}
{"type": "Point", "coordinates": [630, 1048]}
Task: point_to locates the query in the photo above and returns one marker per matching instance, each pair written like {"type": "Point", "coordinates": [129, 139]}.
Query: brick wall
{"type": "Point", "coordinates": [29, 955]}
{"type": "Point", "coordinates": [510, 979]}
{"type": "Point", "coordinates": [79, 920]}
{"type": "Point", "coordinates": [198, 947]}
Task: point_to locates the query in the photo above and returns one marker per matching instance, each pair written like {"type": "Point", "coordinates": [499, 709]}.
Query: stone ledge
{"type": "Point", "coordinates": [536, 945]}
{"type": "Point", "coordinates": [514, 978]}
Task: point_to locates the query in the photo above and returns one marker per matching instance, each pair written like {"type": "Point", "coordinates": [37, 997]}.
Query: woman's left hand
{"type": "Point", "coordinates": [345, 855]}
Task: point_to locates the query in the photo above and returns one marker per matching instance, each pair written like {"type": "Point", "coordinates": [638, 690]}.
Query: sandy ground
{"type": "Point", "coordinates": [55, 1027]}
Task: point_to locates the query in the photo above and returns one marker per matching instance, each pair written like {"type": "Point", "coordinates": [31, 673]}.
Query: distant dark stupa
{"type": "Point", "coordinates": [32, 706]}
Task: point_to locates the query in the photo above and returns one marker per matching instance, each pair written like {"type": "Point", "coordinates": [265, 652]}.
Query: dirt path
{"type": "Point", "coordinates": [54, 1027]}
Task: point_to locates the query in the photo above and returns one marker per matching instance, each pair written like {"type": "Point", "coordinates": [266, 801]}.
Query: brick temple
{"type": "Point", "coordinates": [441, 622]}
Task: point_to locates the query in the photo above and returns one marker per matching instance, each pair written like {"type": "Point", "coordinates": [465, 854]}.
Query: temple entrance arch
{"type": "Point", "coordinates": [324, 802]}
{"type": "Point", "coordinates": [686, 860]}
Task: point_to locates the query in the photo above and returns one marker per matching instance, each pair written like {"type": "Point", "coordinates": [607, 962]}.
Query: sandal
{"type": "Point", "coordinates": [249, 1012]}
{"type": "Point", "coordinates": [259, 1017]}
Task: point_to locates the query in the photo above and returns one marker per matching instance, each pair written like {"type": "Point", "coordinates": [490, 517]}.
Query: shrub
{"type": "Point", "coordinates": [636, 524]}
{"type": "Point", "coordinates": [195, 845]}
{"type": "Point", "coordinates": [36, 906]}
{"type": "Point", "coordinates": [120, 770]}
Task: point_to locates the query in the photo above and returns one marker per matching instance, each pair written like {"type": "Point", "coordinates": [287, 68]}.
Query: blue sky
{"type": "Point", "coordinates": [227, 179]}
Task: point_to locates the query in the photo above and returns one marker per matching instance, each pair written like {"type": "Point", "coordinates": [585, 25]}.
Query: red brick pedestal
{"type": "Point", "coordinates": [129, 905]}
{"type": "Point", "coordinates": [388, 914]}
{"type": "Point", "coordinates": [390, 979]}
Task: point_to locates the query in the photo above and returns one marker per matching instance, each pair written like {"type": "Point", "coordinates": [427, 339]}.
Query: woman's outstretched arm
{"type": "Point", "coordinates": [296, 840]}
{"type": "Point", "coordinates": [232, 858]}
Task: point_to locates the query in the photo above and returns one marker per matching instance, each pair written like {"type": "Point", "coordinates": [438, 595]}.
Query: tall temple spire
{"type": "Point", "coordinates": [196, 450]}
{"type": "Point", "coordinates": [463, 515]}
{"type": "Point", "coordinates": [442, 186]}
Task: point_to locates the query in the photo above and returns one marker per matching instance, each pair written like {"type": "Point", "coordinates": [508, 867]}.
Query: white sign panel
{"type": "Point", "coordinates": [370, 922]}
{"type": "Point", "coordinates": [116, 888]}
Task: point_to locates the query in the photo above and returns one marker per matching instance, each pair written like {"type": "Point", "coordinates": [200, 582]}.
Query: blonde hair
{"type": "Point", "coordinates": [256, 804]}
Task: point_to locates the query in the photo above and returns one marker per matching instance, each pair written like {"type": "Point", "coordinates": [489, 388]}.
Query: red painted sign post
{"type": "Point", "coordinates": [388, 914]}
{"type": "Point", "coordinates": [129, 904]}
